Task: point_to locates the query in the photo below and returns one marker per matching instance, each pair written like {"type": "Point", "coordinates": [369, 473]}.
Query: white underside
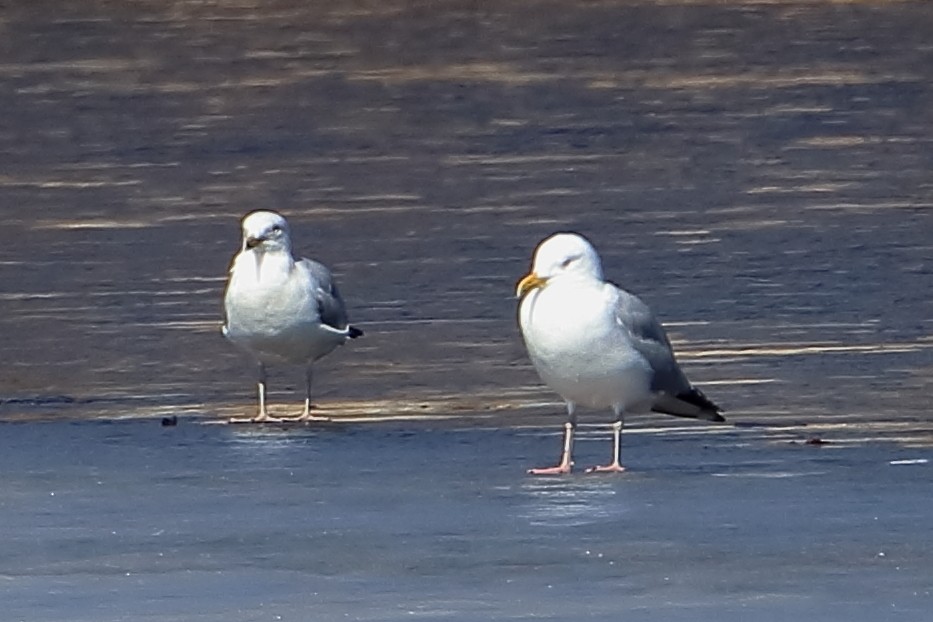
{"type": "Point", "coordinates": [271, 311]}
{"type": "Point", "coordinates": [580, 349]}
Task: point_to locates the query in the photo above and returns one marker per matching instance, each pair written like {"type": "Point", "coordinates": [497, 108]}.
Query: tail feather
{"type": "Point", "coordinates": [353, 332]}
{"type": "Point", "coordinates": [692, 403]}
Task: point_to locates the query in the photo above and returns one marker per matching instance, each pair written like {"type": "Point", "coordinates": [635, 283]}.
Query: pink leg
{"type": "Point", "coordinates": [614, 466]}
{"type": "Point", "coordinates": [307, 416]}
{"type": "Point", "coordinates": [566, 462]}
{"type": "Point", "coordinates": [306, 413]}
{"type": "Point", "coordinates": [262, 416]}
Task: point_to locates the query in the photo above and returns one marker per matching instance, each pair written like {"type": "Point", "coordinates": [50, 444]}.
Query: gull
{"type": "Point", "coordinates": [281, 310]}
{"type": "Point", "coordinates": [597, 345]}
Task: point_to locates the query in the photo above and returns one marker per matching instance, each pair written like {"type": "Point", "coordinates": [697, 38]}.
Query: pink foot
{"type": "Point", "coordinates": [615, 467]}
{"type": "Point", "coordinates": [309, 417]}
{"type": "Point", "coordinates": [256, 419]}
{"type": "Point", "coordinates": [560, 469]}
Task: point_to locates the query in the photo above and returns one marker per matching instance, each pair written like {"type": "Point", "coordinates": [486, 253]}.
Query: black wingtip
{"type": "Point", "coordinates": [691, 403]}
{"type": "Point", "coordinates": [353, 332]}
{"type": "Point", "coordinates": [711, 412]}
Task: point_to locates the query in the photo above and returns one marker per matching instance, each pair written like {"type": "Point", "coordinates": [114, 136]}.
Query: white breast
{"type": "Point", "coordinates": [271, 310]}
{"type": "Point", "coordinates": [578, 347]}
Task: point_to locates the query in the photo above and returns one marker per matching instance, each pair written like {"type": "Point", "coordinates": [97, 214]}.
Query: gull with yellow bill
{"type": "Point", "coordinates": [280, 309]}
{"type": "Point", "coordinates": [597, 345]}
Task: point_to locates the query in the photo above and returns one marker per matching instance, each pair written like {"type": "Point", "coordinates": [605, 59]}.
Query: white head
{"type": "Point", "coordinates": [265, 232]}
{"type": "Point", "coordinates": [561, 255]}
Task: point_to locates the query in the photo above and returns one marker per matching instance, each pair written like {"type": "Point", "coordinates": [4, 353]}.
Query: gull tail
{"type": "Point", "coordinates": [691, 403]}
{"type": "Point", "coordinates": [353, 332]}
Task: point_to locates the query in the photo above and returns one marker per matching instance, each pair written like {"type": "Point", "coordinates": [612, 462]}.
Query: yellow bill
{"type": "Point", "coordinates": [530, 282]}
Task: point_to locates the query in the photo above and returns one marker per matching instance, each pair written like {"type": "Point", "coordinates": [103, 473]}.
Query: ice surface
{"type": "Point", "coordinates": [132, 521]}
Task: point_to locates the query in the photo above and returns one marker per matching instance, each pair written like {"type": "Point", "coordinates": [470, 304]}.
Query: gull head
{"type": "Point", "coordinates": [561, 255]}
{"type": "Point", "coordinates": [265, 231]}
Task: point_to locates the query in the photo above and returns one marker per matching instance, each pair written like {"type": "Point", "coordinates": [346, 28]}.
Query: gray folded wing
{"type": "Point", "coordinates": [676, 396]}
{"type": "Point", "coordinates": [330, 304]}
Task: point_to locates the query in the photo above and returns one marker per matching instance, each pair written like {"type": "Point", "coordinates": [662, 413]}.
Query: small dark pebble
{"type": "Point", "coordinates": [816, 441]}
{"type": "Point", "coordinates": [168, 422]}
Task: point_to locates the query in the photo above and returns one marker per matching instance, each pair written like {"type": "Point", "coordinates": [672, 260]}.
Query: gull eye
{"type": "Point", "coordinates": [566, 262]}
{"type": "Point", "coordinates": [276, 229]}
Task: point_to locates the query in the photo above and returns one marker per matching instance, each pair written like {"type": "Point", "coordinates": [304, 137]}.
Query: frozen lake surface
{"type": "Point", "coordinates": [133, 521]}
{"type": "Point", "coordinates": [759, 172]}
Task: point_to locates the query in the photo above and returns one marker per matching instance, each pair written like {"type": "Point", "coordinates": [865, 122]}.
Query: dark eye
{"type": "Point", "coordinates": [276, 229]}
{"type": "Point", "coordinates": [566, 262]}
